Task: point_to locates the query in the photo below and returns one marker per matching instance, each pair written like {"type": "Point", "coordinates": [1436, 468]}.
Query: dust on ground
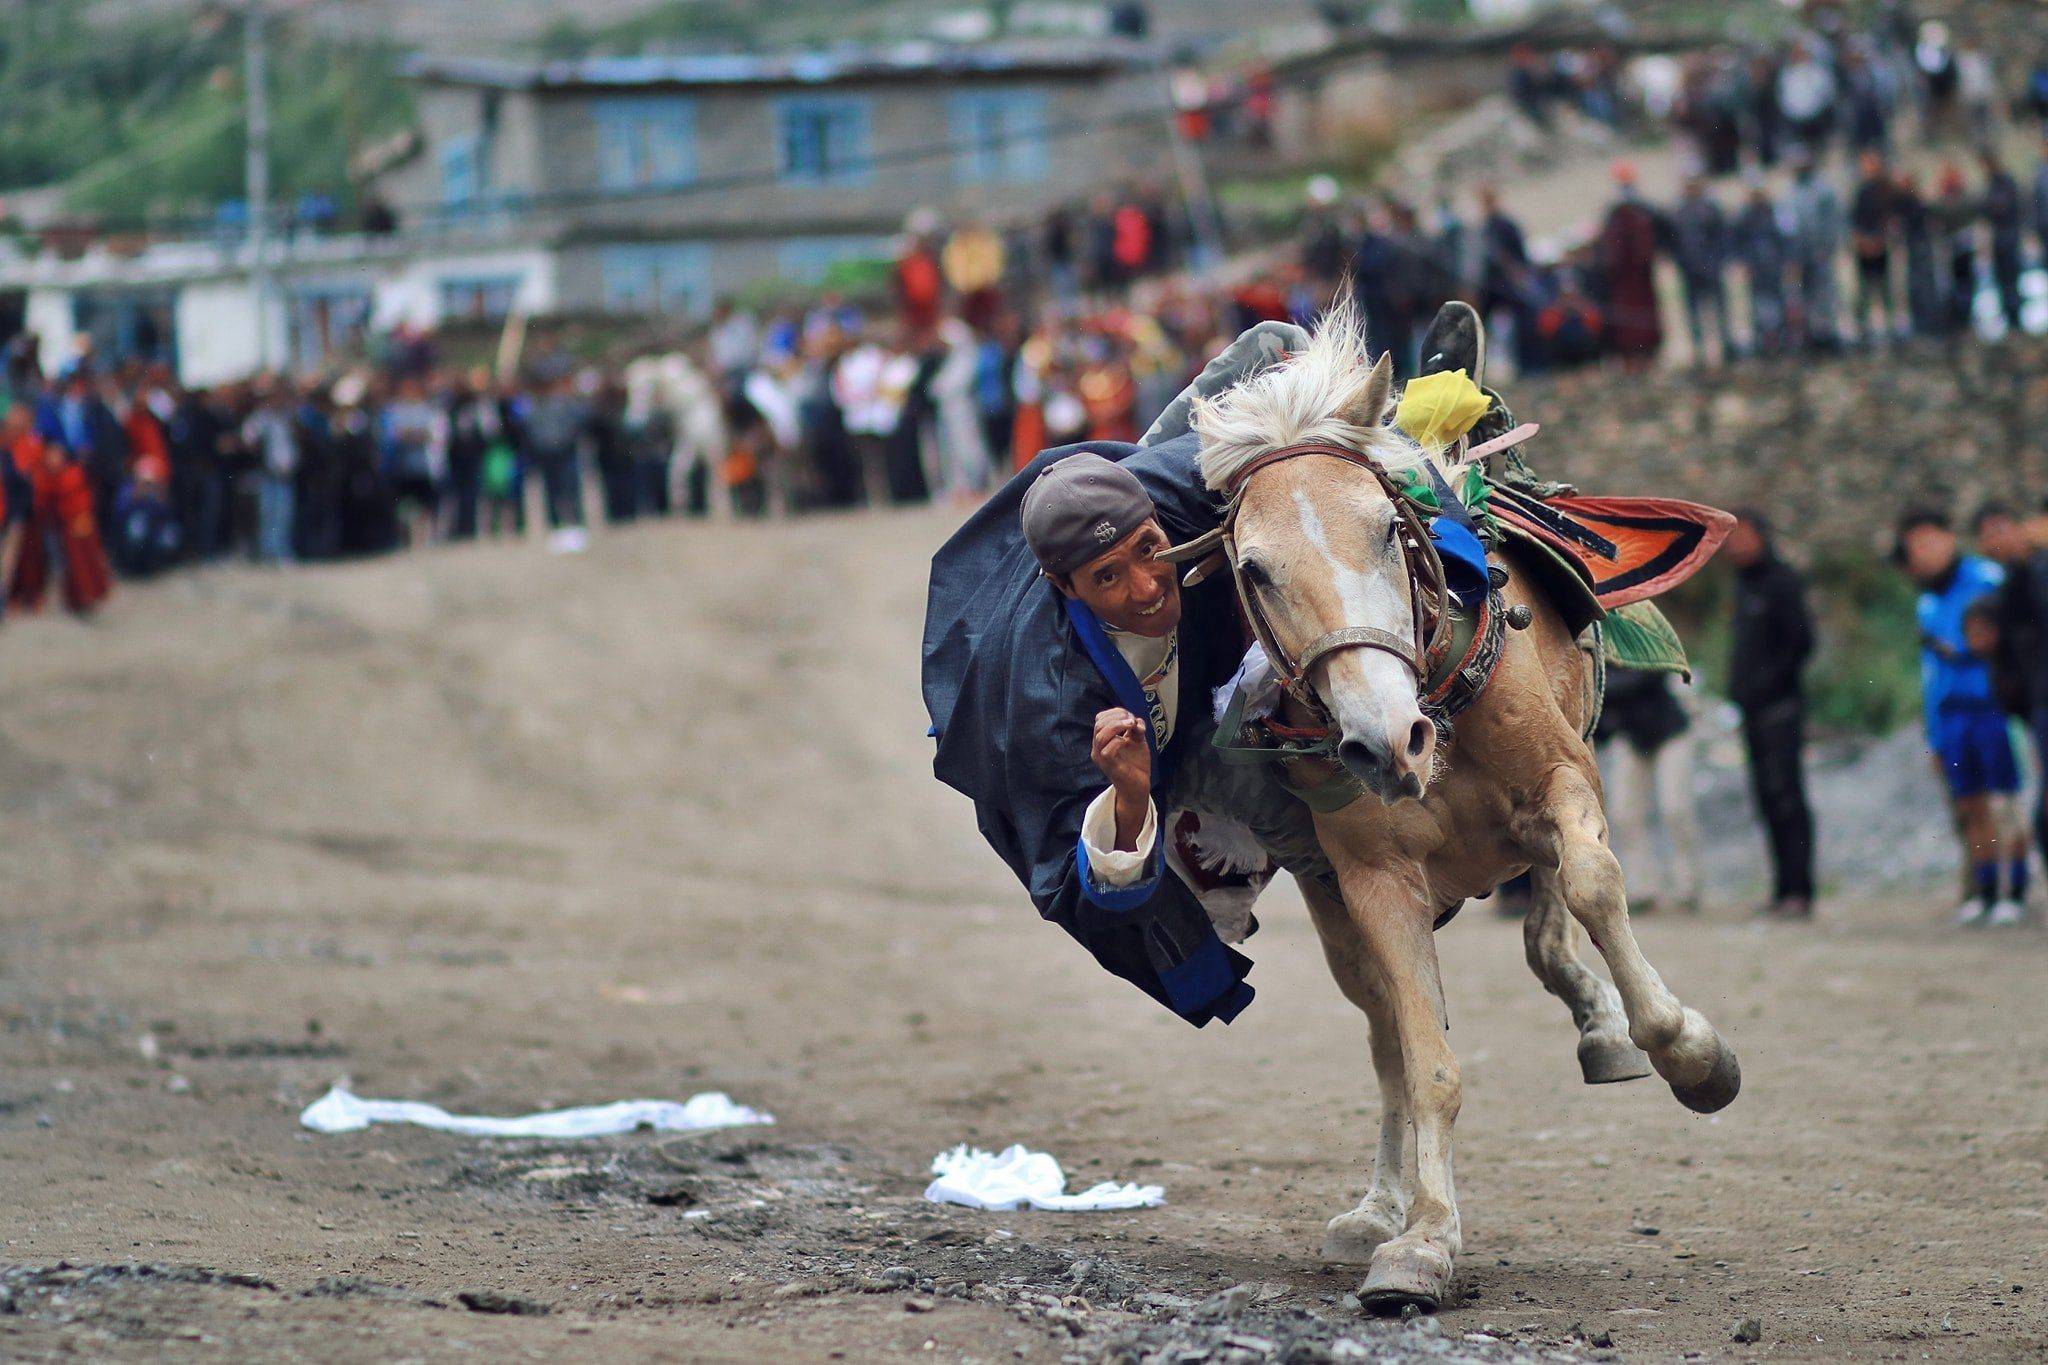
{"type": "Point", "coordinates": [501, 831]}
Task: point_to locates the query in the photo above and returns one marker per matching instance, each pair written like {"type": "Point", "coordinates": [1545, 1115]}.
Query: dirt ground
{"type": "Point", "coordinates": [503, 831]}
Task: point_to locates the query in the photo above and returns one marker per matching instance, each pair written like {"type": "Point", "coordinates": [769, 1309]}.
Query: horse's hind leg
{"type": "Point", "coordinates": [1353, 1237]}
{"type": "Point", "coordinates": [1683, 1047]}
{"type": "Point", "coordinates": [1548, 938]}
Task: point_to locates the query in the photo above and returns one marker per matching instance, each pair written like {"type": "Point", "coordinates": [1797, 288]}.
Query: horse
{"type": "Point", "coordinates": [1324, 551]}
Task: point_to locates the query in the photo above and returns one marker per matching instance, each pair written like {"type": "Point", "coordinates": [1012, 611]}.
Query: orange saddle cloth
{"type": "Point", "coordinates": [1628, 549]}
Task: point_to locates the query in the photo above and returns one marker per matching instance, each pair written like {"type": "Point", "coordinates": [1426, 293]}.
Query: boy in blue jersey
{"type": "Point", "coordinates": [1965, 727]}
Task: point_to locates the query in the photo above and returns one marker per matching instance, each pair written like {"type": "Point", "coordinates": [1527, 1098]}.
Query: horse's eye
{"type": "Point", "coordinates": [1254, 574]}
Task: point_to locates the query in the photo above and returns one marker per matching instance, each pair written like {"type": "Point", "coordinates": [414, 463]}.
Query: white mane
{"type": "Point", "coordinates": [1316, 396]}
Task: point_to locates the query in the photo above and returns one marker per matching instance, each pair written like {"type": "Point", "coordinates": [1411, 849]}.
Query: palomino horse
{"type": "Point", "coordinates": [1322, 554]}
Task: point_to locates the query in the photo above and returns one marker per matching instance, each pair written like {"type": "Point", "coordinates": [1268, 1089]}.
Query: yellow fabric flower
{"type": "Point", "coordinates": [1437, 409]}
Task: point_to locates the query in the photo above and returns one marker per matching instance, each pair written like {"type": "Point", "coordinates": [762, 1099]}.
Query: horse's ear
{"type": "Point", "coordinates": [1379, 393]}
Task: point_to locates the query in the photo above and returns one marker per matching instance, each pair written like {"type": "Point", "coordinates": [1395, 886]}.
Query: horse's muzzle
{"type": "Point", "coordinates": [1394, 765]}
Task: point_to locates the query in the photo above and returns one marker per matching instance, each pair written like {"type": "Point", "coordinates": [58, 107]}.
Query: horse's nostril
{"type": "Point", "coordinates": [1419, 736]}
{"type": "Point", "coordinates": [1355, 755]}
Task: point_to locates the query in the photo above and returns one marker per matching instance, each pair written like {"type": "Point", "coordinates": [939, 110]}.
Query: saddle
{"type": "Point", "coordinates": [1623, 549]}
{"type": "Point", "coordinates": [1593, 588]}
{"type": "Point", "coordinates": [1598, 559]}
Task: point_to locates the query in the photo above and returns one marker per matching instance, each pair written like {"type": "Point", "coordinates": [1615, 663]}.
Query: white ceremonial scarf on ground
{"type": "Point", "coordinates": [338, 1111]}
{"type": "Point", "coordinates": [1019, 1177]}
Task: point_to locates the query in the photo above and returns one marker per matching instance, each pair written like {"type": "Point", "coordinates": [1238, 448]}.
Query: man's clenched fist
{"type": "Point", "coordinates": [1121, 751]}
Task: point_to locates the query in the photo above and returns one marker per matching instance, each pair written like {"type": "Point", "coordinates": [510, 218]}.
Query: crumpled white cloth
{"type": "Point", "coordinates": [1256, 678]}
{"type": "Point", "coordinates": [1020, 1177]}
{"type": "Point", "coordinates": [338, 1111]}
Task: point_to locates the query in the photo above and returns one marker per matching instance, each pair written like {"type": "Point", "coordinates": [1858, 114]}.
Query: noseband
{"type": "Point", "coordinates": [1429, 598]}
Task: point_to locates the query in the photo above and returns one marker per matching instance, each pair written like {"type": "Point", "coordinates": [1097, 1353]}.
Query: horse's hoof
{"type": "Point", "coordinates": [1401, 1276]}
{"type": "Point", "coordinates": [1720, 1087]}
{"type": "Point", "coordinates": [1604, 1060]}
{"type": "Point", "coordinates": [1352, 1238]}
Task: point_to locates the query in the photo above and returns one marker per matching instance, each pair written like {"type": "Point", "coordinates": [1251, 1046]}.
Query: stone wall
{"type": "Point", "coordinates": [1833, 449]}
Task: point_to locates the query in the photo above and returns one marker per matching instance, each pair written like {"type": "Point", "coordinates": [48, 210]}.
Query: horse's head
{"type": "Point", "coordinates": [1318, 544]}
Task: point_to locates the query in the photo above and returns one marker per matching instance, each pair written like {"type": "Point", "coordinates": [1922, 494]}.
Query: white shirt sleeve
{"type": "Point", "coordinates": [1107, 864]}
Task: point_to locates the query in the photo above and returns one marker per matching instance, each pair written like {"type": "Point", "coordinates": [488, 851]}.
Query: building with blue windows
{"type": "Point", "coordinates": [625, 186]}
{"type": "Point", "coordinates": [657, 183]}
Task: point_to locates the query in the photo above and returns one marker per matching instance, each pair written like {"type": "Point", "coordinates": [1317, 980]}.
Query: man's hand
{"type": "Point", "coordinates": [1121, 751]}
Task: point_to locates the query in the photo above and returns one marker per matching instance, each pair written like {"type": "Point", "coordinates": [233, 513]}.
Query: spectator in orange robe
{"type": "Point", "coordinates": [61, 525]}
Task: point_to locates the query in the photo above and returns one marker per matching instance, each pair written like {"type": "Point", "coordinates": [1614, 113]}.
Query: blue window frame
{"type": "Point", "coordinates": [645, 143]}
{"type": "Point", "coordinates": [666, 277]}
{"type": "Point", "coordinates": [462, 173]}
{"type": "Point", "coordinates": [1000, 135]}
{"type": "Point", "coordinates": [825, 140]}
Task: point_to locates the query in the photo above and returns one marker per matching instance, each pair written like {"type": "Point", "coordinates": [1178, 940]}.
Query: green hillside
{"type": "Point", "coordinates": [141, 117]}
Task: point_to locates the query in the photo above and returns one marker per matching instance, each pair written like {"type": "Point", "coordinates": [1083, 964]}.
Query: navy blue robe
{"type": "Point", "coordinates": [1014, 675]}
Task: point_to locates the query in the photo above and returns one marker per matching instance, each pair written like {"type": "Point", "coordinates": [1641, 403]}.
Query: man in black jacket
{"type": "Point", "coordinates": [1070, 680]}
{"type": "Point", "coordinates": [2019, 671]}
{"type": "Point", "coordinates": [1773, 640]}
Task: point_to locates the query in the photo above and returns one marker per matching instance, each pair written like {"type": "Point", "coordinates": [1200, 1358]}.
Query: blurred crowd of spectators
{"type": "Point", "coordinates": [1831, 260]}
{"type": "Point", "coordinates": [932, 390]}
{"type": "Point", "coordinates": [1923, 231]}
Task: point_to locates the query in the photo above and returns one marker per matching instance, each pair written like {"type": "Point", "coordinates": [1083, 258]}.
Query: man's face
{"type": "Point", "coordinates": [1930, 552]}
{"type": "Point", "coordinates": [1745, 546]}
{"type": "Point", "coordinates": [1980, 635]}
{"type": "Point", "coordinates": [1129, 588]}
{"type": "Point", "coordinates": [2002, 538]}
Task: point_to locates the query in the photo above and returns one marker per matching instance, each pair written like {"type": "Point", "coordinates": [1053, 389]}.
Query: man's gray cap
{"type": "Point", "coordinates": [1080, 507]}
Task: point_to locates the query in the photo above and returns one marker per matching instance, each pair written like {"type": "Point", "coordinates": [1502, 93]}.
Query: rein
{"type": "Point", "coordinates": [1424, 650]}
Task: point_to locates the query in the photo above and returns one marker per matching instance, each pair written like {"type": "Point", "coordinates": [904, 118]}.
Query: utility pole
{"type": "Point", "coordinates": [1200, 199]}
{"type": "Point", "coordinates": [256, 102]}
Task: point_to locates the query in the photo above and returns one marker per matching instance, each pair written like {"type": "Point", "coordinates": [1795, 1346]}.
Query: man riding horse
{"type": "Point", "coordinates": [1069, 678]}
{"type": "Point", "coordinates": [1115, 809]}
{"type": "Point", "coordinates": [1075, 689]}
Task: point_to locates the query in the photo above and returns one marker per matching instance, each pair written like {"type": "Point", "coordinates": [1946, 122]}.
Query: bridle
{"type": "Point", "coordinates": [1423, 651]}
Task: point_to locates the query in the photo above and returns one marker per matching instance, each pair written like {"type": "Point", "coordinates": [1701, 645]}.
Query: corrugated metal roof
{"type": "Point", "coordinates": [904, 61]}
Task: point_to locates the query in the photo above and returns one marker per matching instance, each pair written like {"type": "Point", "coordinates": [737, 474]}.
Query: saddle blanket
{"type": "Point", "coordinates": [1627, 549]}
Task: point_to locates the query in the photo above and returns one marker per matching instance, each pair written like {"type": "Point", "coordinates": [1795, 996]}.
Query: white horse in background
{"type": "Point", "coordinates": [670, 399]}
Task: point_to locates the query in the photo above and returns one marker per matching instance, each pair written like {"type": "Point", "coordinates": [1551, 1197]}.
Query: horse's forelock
{"type": "Point", "coordinates": [1317, 396]}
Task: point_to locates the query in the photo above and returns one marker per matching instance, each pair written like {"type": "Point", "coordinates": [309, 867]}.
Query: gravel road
{"type": "Point", "coordinates": [501, 831]}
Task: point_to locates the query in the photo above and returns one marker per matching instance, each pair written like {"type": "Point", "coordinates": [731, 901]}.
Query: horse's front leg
{"type": "Point", "coordinates": [1684, 1048]}
{"type": "Point", "coordinates": [1394, 920]}
{"type": "Point", "coordinates": [1351, 1238]}
{"type": "Point", "coordinates": [1605, 1052]}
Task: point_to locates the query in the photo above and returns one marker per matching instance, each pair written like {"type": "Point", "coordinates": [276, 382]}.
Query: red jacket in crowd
{"type": "Point", "coordinates": [60, 512]}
